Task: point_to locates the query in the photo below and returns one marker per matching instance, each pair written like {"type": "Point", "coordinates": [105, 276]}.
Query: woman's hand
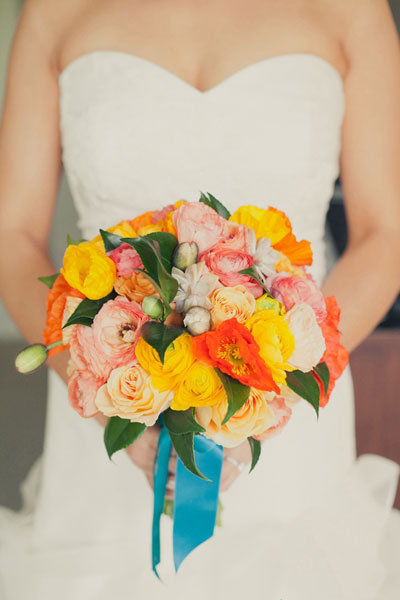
{"type": "Point", "coordinates": [230, 470]}
{"type": "Point", "coordinates": [143, 450]}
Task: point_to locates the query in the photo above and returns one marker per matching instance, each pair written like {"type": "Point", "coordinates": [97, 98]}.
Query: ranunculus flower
{"type": "Point", "coordinates": [197, 222]}
{"type": "Point", "coordinates": [228, 302]}
{"type": "Point", "coordinates": [197, 320]}
{"type": "Point", "coordinates": [126, 259]}
{"type": "Point", "coordinates": [135, 286]}
{"type": "Point", "coordinates": [294, 290]}
{"type": "Point", "coordinates": [56, 301]}
{"type": "Point", "coordinates": [178, 359]}
{"type": "Point", "coordinates": [200, 386]}
{"type": "Point", "coordinates": [129, 394]}
{"type": "Point", "coordinates": [84, 354]}
{"type": "Point", "coordinates": [195, 285]}
{"type": "Point", "coordinates": [308, 338]}
{"type": "Point", "coordinates": [226, 263]}
{"type": "Point", "coordinates": [257, 416]}
{"type": "Point", "coordinates": [265, 302]}
{"type": "Point", "coordinates": [233, 349]}
{"type": "Point", "coordinates": [89, 270]}
{"type": "Point", "coordinates": [336, 356]}
{"type": "Point", "coordinates": [238, 237]}
{"type": "Point", "coordinates": [275, 340]}
{"type": "Point", "coordinates": [116, 330]}
{"type": "Point", "coordinates": [82, 390]}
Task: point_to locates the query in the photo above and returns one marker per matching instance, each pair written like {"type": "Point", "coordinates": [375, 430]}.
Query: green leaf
{"type": "Point", "coordinates": [121, 433]}
{"type": "Point", "coordinates": [110, 240]}
{"type": "Point", "coordinates": [169, 285]}
{"type": "Point", "coordinates": [87, 310]}
{"type": "Point", "coordinates": [49, 280]}
{"type": "Point", "coordinates": [255, 446]}
{"type": "Point", "coordinates": [167, 243]}
{"type": "Point", "coordinates": [237, 394]}
{"type": "Point", "coordinates": [147, 252]}
{"type": "Point", "coordinates": [252, 273]}
{"type": "Point", "coordinates": [304, 385]}
{"type": "Point", "coordinates": [211, 201]}
{"type": "Point", "coordinates": [181, 421]}
{"type": "Point", "coordinates": [160, 336]}
{"type": "Point", "coordinates": [184, 446]}
{"type": "Point", "coordinates": [322, 372]}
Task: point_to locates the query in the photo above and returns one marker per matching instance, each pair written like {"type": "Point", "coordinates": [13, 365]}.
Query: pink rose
{"type": "Point", "coordinates": [239, 237]}
{"type": "Point", "coordinates": [84, 354]}
{"type": "Point", "coordinates": [197, 222]}
{"type": "Point", "coordinates": [294, 290]}
{"type": "Point", "coordinates": [226, 263]}
{"type": "Point", "coordinates": [161, 214]}
{"type": "Point", "coordinates": [82, 391]}
{"type": "Point", "coordinates": [116, 330]}
{"type": "Point", "coordinates": [282, 414]}
{"type": "Point", "coordinates": [126, 259]}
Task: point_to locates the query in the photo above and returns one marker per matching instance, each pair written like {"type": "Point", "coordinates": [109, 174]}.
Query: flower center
{"type": "Point", "coordinates": [229, 351]}
{"type": "Point", "coordinates": [127, 333]}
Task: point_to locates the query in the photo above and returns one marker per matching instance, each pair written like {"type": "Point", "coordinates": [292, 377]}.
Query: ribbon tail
{"type": "Point", "coordinates": [160, 478]}
{"type": "Point", "coordinates": [196, 500]}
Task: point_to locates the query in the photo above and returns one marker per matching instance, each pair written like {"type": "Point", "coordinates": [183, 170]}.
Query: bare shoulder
{"type": "Point", "coordinates": [362, 15]}
{"type": "Point", "coordinates": [46, 23]}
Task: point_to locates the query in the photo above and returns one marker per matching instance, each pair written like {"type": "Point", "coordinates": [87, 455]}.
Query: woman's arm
{"type": "Point", "coordinates": [366, 280]}
{"type": "Point", "coordinates": [30, 162]}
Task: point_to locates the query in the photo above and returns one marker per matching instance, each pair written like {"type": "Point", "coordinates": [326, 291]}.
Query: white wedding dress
{"type": "Point", "coordinates": [311, 522]}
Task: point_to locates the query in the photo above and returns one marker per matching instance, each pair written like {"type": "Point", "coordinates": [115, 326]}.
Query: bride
{"type": "Point", "coordinates": [258, 102]}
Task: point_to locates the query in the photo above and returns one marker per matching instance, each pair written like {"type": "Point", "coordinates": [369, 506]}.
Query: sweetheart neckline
{"type": "Point", "coordinates": [203, 93]}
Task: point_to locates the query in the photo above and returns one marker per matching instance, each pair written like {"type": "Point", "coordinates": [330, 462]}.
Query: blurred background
{"type": "Point", "coordinates": [375, 364]}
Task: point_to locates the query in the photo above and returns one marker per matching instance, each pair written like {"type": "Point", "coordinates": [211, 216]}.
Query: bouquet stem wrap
{"type": "Point", "coordinates": [195, 500]}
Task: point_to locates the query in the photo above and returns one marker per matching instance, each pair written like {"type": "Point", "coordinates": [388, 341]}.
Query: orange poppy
{"type": "Point", "coordinates": [143, 220]}
{"type": "Point", "coordinates": [232, 348]}
{"type": "Point", "coordinates": [55, 308]}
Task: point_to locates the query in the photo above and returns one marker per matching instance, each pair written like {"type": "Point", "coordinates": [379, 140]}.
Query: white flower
{"type": "Point", "coordinates": [265, 258]}
{"type": "Point", "coordinates": [195, 285]}
{"type": "Point", "coordinates": [308, 338]}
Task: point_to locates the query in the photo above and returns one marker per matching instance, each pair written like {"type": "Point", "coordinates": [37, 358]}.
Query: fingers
{"type": "Point", "coordinates": [229, 474]}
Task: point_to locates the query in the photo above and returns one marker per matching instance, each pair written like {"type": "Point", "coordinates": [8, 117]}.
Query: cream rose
{"type": "Point", "coordinates": [228, 302]}
{"type": "Point", "coordinates": [308, 338]}
{"type": "Point", "coordinates": [129, 394]}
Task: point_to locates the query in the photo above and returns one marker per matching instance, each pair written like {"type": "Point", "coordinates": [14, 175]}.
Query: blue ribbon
{"type": "Point", "coordinates": [195, 499]}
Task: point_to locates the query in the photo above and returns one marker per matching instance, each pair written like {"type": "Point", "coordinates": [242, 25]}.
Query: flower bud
{"type": "Point", "coordinates": [185, 254]}
{"type": "Point", "coordinates": [197, 320]}
{"type": "Point", "coordinates": [31, 358]}
{"type": "Point", "coordinates": [266, 302]}
{"type": "Point", "coordinates": [153, 307]}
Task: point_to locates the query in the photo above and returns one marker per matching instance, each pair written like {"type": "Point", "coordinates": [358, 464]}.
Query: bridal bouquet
{"type": "Point", "coordinates": [199, 321]}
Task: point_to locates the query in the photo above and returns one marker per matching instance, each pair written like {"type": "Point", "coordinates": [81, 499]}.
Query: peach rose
{"type": "Point", "coordinates": [282, 414]}
{"type": "Point", "coordinates": [226, 263]}
{"type": "Point", "coordinates": [308, 339]}
{"type": "Point", "coordinates": [126, 259]}
{"type": "Point", "coordinates": [135, 286]}
{"type": "Point", "coordinates": [116, 330]}
{"type": "Point", "coordinates": [256, 416]}
{"type": "Point", "coordinates": [82, 390]}
{"type": "Point", "coordinates": [197, 222]}
{"type": "Point", "coordinates": [129, 394]}
{"type": "Point", "coordinates": [228, 302]}
{"type": "Point", "coordinates": [293, 290]}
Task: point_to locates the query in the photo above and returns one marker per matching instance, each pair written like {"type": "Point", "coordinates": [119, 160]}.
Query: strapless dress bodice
{"type": "Point", "coordinates": [136, 137]}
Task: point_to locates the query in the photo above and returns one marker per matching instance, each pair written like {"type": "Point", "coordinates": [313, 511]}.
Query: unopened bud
{"type": "Point", "coordinates": [185, 254]}
{"type": "Point", "coordinates": [153, 307]}
{"type": "Point", "coordinates": [31, 358]}
{"type": "Point", "coordinates": [197, 320]}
